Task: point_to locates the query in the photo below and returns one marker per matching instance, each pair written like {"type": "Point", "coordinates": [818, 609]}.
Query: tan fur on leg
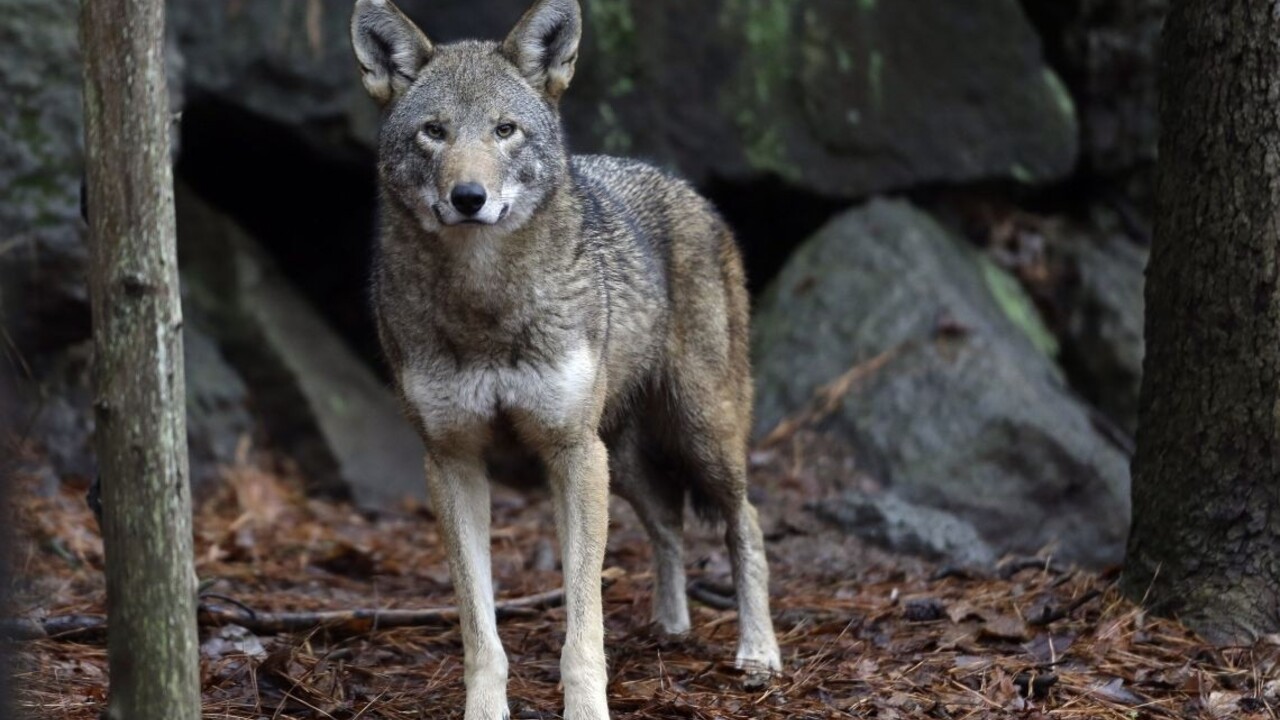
{"type": "Point", "coordinates": [757, 646]}
{"type": "Point", "coordinates": [580, 485]}
{"type": "Point", "coordinates": [460, 498]}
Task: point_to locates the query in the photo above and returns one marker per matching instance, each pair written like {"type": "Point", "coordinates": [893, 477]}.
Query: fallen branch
{"type": "Point", "coordinates": [363, 620]}
{"type": "Point", "coordinates": [90, 628]}
{"type": "Point", "coordinates": [828, 398]}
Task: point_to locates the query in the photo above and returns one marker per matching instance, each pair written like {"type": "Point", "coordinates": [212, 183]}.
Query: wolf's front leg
{"type": "Point", "coordinates": [580, 484]}
{"type": "Point", "coordinates": [460, 499]}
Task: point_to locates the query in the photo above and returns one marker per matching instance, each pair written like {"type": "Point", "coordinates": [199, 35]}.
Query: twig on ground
{"type": "Point", "coordinates": [84, 628]}
{"type": "Point", "coordinates": [827, 399]}
{"type": "Point", "coordinates": [352, 622]}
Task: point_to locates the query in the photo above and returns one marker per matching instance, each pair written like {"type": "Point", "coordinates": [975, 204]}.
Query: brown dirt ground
{"type": "Point", "coordinates": [863, 634]}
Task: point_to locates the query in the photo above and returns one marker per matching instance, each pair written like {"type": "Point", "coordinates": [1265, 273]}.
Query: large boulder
{"type": "Point", "coordinates": [318, 401]}
{"type": "Point", "coordinates": [843, 98]}
{"type": "Point", "coordinates": [43, 293]}
{"type": "Point", "coordinates": [848, 98]}
{"type": "Point", "coordinates": [219, 408]}
{"type": "Point", "coordinates": [43, 255]}
{"type": "Point", "coordinates": [217, 403]}
{"type": "Point", "coordinates": [290, 62]}
{"type": "Point", "coordinates": [961, 412]}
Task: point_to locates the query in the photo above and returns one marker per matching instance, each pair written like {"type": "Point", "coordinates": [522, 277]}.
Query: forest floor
{"type": "Point", "coordinates": [863, 634]}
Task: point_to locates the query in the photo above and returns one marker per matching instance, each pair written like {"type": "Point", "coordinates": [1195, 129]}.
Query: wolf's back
{"type": "Point", "coordinates": [654, 224]}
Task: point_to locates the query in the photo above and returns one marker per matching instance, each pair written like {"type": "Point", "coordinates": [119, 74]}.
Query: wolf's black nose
{"type": "Point", "coordinates": [468, 198]}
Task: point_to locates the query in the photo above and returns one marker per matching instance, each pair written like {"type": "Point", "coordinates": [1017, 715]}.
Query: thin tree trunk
{"type": "Point", "coordinates": [1205, 543]}
{"type": "Point", "coordinates": [138, 377]}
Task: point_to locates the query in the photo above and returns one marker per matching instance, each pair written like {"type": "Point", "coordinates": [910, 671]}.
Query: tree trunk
{"type": "Point", "coordinates": [1205, 543]}
{"type": "Point", "coordinates": [138, 378]}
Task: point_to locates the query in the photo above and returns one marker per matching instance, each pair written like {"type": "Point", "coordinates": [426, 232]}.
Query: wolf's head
{"type": "Point", "coordinates": [470, 132]}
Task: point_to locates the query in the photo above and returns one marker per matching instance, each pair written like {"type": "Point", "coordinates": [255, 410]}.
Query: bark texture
{"type": "Point", "coordinates": [138, 375]}
{"type": "Point", "coordinates": [1205, 543]}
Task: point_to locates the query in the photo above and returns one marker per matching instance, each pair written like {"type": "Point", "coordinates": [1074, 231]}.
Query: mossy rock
{"type": "Point", "coordinates": [967, 416]}
{"type": "Point", "coordinates": [44, 256]}
{"type": "Point", "coordinates": [841, 98]}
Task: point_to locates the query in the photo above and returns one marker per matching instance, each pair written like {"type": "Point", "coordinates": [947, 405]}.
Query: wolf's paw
{"type": "Point", "coordinates": [758, 665]}
{"type": "Point", "coordinates": [669, 630]}
{"type": "Point", "coordinates": [756, 677]}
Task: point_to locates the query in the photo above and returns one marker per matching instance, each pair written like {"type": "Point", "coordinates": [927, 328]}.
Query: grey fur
{"type": "Point", "coordinates": [591, 303]}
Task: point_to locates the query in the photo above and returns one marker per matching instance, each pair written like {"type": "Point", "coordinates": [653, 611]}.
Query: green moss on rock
{"type": "Point", "coordinates": [766, 28]}
{"type": "Point", "coordinates": [613, 27]}
{"type": "Point", "coordinates": [1015, 304]}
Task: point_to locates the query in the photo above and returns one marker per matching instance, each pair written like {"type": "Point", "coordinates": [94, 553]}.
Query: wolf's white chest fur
{"type": "Point", "coordinates": [446, 397]}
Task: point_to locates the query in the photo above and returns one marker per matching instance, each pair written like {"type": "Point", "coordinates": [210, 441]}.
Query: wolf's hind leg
{"type": "Point", "coordinates": [717, 446]}
{"type": "Point", "coordinates": [757, 647]}
{"type": "Point", "coordinates": [659, 503]}
{"type": "Point", "coordinates": [663, 518]}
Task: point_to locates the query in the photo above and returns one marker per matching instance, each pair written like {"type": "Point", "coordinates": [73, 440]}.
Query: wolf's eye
{"type": "Point", "coordinates": [505, 130]}
{"type": "Point", "coordinates": [433, 130]}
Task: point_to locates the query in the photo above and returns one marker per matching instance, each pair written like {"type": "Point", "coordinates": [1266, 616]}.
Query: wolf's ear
{"type": "Point", "coordinates": [391, 50]}
{"type": "Point", "coordinates": [544, 45]}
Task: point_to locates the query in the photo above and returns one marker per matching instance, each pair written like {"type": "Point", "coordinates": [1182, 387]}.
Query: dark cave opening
{"type": "Point", "coordinates": [770, 219]}
{"type": "Point", "coordinates": [311, 206]}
